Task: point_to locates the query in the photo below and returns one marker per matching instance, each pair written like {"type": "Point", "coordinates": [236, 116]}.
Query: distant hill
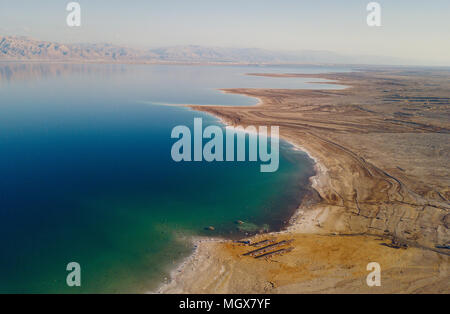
{"type": "Point", "coordinates": [12, 47]}
{"type": "Point", "coordinates": [24, 48]}
{"type": "Point", "coordinates": [216, 54]}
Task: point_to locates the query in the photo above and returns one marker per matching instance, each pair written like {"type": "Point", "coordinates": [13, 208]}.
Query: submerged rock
{"type": "Point", "coordinates": [252, 228]}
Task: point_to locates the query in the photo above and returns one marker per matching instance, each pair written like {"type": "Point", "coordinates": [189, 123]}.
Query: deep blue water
{"type": "Point", "coordinates": [86, 173]}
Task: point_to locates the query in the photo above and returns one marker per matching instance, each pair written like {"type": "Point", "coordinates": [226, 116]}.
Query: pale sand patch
{"type": "Point", "coordinates": [318, 264]}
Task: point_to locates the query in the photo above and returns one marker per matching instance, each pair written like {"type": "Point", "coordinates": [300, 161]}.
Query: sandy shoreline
{"type": "Point", "coordinates": [188, 260]}
{"type": "Point", "coordinates": [372, 194]}
{"type": "Point", "coordinates": [197, 241]}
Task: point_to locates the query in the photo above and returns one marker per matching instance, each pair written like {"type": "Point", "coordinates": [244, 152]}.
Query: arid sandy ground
{"type": "Point", "coordinates": [382, 149]}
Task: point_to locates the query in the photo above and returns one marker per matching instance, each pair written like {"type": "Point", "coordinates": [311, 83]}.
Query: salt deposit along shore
{"type": "Point", "coordinates": [380, 194]}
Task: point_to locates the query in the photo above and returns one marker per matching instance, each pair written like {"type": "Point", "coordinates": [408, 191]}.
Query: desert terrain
{"type": "Point", "coordinates": [380, 194]}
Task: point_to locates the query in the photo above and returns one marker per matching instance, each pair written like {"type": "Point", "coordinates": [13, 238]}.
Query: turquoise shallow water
{"type": "Point", "coordinates": [86, 173]}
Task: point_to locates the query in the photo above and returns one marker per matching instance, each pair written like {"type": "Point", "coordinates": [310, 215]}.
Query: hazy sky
{"type": "Point", "coordinates": [413, 29]}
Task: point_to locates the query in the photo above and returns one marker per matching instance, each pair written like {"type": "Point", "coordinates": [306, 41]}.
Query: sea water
{"type": "Point", "coordinates": [86, 173]}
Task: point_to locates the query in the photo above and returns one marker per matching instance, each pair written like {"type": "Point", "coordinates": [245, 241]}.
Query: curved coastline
{"type": "Point", "coordinates": [196, 257]}
{"type": "Point", "coordinates": [355, 219]}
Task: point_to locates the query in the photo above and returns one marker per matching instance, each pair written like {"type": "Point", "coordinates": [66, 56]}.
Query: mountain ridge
{"type": "Point", "coordinates": [25, 48]}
